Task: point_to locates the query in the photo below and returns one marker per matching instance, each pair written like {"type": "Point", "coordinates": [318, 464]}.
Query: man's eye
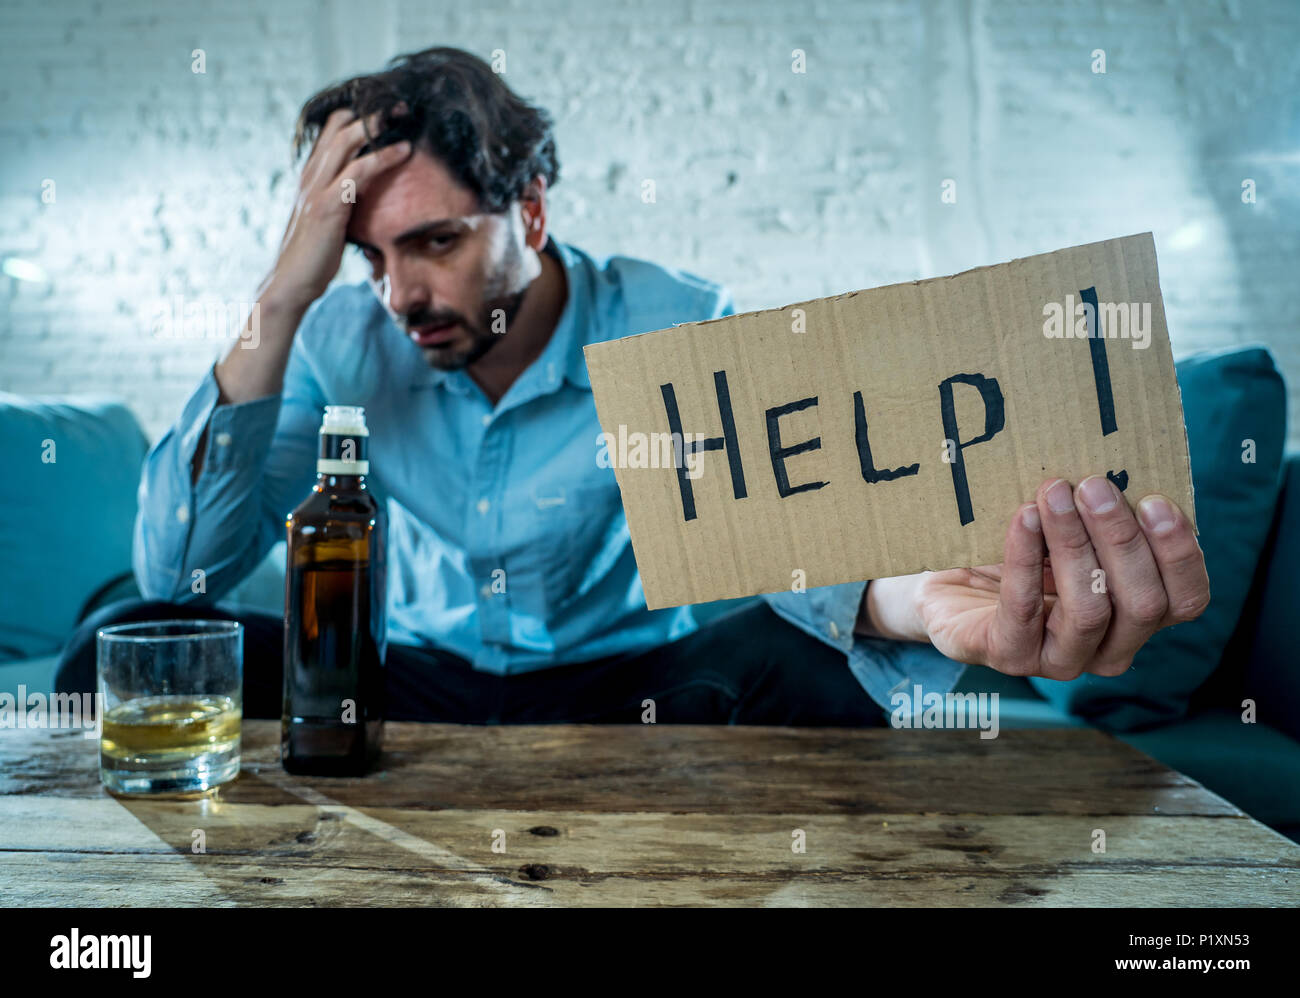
{"type": "Point", "coordinates": [442, 240]}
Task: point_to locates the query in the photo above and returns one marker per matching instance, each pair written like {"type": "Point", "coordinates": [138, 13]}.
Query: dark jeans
{"type": "Point", "coordinates": [751, 667]}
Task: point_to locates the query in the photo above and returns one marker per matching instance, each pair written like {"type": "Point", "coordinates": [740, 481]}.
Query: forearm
{"type": "Point", "coordinates": [254, 368]}
{"type": "Point", "coordinates": [890, 610]}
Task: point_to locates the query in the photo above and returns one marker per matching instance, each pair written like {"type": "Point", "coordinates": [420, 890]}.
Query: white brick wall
{"type": "Point", "coordinates": [783, 186]}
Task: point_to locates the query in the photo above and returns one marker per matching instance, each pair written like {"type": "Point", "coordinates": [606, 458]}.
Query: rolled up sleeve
{"type": "Point", "coordinates": [194, 541]}
{"type": "Point", "coordinates": [881, 666]}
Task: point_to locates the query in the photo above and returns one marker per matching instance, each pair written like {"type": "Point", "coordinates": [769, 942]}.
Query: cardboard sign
{"type": "Point", "coordinates": [884, 432]}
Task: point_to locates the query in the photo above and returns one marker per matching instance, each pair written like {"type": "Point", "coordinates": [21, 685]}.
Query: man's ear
{"type": "Point", "coordinates": [532, 208]}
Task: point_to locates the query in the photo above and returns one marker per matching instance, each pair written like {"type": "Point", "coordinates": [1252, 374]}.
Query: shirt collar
{"type": "Point", "coordinates": [562, 356]}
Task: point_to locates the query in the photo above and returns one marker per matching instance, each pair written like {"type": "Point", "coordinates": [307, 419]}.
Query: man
{"type": "Point", "coordinates": [513, 593]}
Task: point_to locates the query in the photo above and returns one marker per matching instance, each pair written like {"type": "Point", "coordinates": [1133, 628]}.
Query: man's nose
{"type": "Point", "coordinates": [406, 292]}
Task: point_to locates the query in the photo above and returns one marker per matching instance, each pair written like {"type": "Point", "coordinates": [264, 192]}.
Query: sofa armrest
{"type": "Point", "coordinates": [1272, 677]}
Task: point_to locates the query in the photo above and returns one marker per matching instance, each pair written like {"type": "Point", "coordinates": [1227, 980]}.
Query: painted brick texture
{"type": "Point", "coordinates": [781, 185]}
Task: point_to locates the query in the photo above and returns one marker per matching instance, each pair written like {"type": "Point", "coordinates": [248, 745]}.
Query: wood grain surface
{"type": "Point", "coordinates": [645, 815]}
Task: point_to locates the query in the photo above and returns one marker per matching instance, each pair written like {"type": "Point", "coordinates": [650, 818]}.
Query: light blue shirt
{"type": "Point", "coordinates": [507, 543]}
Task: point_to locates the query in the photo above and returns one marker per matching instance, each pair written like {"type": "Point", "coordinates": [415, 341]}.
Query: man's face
{"type": "Point", "coordinates": [451, 276]}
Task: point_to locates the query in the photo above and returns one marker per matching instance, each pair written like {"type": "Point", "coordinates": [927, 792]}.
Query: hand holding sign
{"type": "Point", "coordinates": [1113, 580]}
{"type": "Point", "coordinates": [883, 432]}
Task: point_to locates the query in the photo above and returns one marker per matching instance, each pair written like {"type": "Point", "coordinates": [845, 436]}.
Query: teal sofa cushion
{"type": "Point", "coordinates": [1228, 756]}
{"type": "Point", "coordinates": [1272, 677]}
{"type": "Point", "coordinates": [1230, 397]}
{"type": "Point", "coordinates": [70, 508]}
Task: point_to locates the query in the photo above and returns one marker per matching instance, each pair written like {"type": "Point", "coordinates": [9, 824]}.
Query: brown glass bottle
{"type": "Point", "coordinates": [334, 612]}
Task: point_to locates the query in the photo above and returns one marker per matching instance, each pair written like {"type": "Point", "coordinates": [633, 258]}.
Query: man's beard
{"type": "Point", "coordinates": [497, 313]}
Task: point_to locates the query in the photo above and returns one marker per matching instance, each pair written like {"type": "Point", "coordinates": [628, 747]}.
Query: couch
{"type": "Point", "coordinates": [1217, 699]}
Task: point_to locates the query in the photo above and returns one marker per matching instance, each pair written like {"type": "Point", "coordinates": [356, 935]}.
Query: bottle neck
{"type": "Point", "coordinates": [343, 483]}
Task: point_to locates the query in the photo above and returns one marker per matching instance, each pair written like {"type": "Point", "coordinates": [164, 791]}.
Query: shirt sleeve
{"type": "Point", "coordinates": [195, 541]}
{"type": "Point", "coordinates": [882, 666]}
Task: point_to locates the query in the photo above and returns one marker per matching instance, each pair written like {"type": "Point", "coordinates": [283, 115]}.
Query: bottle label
{"type": "Point", "coordinates": [343, 454]}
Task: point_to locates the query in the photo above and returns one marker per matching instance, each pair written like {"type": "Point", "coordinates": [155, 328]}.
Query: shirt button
{"type": "Point", "coordinates": [484, 505]}
{"type": "Point", "coordinates": [487, 418]}
{"type": "Point", "coordinates": [486, 591]}
{"type": "Point", "coordinates": [835, 631]}
{"type": "Point", "coordinates": [223, 439]}
{"type": "Point", "coordinates": [183, 514]}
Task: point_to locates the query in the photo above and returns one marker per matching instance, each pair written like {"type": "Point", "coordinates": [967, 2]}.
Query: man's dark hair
{"type": "Point", "coordinates": [458, 111]}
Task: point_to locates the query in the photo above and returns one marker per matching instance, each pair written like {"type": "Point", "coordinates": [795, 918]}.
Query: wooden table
{"type": "Point", "coordinates": [645, 815]}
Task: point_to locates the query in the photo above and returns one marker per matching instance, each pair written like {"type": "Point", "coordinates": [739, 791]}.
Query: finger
{"type": "Point", "coordinates": [341, 147]}
{"type": "Point", "coordinates": [1078, 622]}
{"type": "Point", "coordinates": [337, 119]}
{"type": "Point", "coordinates": [345, 143]}
{"type": "Point", "coordinates": [364, 169]}
{"type": "Point", "coordinates": [1130, 575]}
{"type": "Point", "coordinates": [1049, 581]}
{"type": "Point", "coordinates": [1017, 635]}
{"type": "Point", "coordinates": [1178, 557]}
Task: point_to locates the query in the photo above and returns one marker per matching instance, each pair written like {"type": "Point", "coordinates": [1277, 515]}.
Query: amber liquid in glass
{"type": "Point", "coordinates": [166, 733]}
{"type": "Point", "coordinates": [334, 633]}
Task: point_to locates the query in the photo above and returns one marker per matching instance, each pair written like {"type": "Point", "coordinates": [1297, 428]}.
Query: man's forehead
{"type": "Point", "coordinates": [416, 191]}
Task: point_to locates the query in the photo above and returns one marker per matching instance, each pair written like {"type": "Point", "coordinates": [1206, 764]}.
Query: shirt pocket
{"type": "Point", "coordinates": [586, 533]}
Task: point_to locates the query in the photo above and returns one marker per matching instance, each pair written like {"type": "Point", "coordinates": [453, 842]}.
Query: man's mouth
{"type": "Point", "coordinates": [433, 333]}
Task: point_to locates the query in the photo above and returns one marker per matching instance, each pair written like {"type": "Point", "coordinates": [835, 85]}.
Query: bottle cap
{"type": "Point", "coordinates": [345, 419]}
